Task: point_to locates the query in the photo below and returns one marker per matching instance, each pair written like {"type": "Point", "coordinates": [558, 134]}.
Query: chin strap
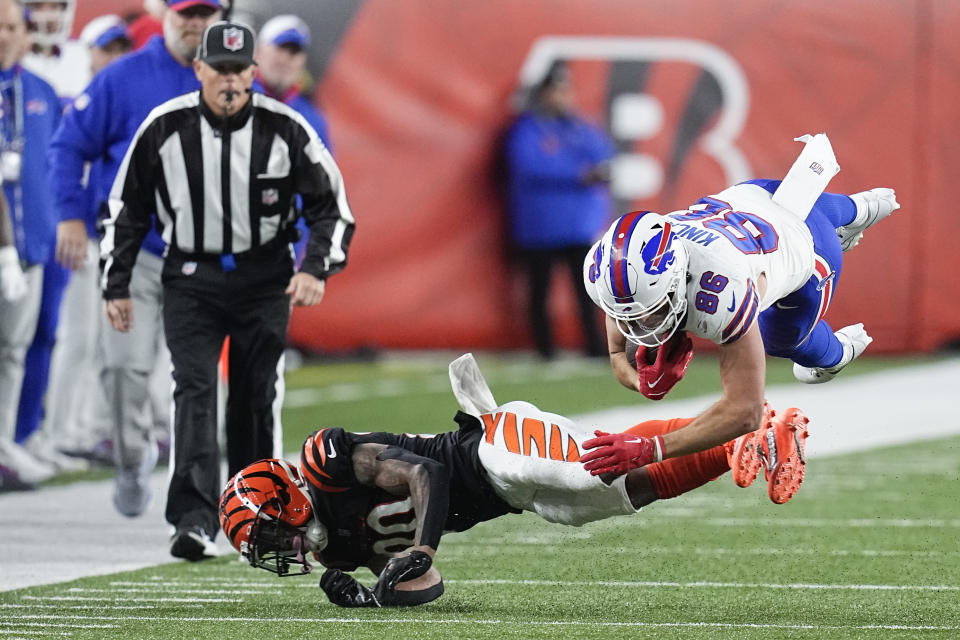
{"type": "Point", "coordinates": [299, 545]}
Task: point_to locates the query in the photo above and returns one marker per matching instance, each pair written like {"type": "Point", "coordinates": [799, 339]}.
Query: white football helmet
{"type": "Point", "coordinates": [50, 26]}
{"type": "Point", "coordinates": [639, 271]}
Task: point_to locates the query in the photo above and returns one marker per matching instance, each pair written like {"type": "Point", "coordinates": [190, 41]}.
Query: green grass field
{"type": "Point", "coordinates": [867, 549]}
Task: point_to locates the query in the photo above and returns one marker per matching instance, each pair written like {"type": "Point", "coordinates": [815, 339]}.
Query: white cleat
{"type": "Point", "coordinates": [872, 207]}
{"type": "Point", "coordinates": [854, 340]}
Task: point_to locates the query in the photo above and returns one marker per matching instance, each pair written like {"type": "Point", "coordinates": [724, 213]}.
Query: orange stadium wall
{"type": "Point", "coordinates": [418, 92]}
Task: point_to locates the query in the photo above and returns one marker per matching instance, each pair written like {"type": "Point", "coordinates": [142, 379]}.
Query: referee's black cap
{"type": "Point", "coordinates": [227, 42]}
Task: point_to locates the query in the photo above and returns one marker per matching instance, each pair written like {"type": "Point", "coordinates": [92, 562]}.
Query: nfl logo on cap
{"type": "Point", "coordinates": [233, 39]}
{"type": "Point", "coordinates": [227, 42]}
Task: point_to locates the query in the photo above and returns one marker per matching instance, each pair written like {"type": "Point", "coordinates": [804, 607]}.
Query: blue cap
{"type": "Point", "coordinates": [103, 30]}
{"type": "Point", "coordinates": [286, 29]}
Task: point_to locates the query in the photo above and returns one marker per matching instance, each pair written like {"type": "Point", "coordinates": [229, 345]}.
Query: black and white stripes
{"type": "Point", "coordinates": [225, 186]}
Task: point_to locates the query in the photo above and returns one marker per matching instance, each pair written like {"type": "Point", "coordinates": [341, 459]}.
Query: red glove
{"type": "Point", "coordinates": [672, 359]}
{"type": "Point", "coordinates": [618, 453]}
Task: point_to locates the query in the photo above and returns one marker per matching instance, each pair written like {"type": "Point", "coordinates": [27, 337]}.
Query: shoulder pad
{"type": "Point", "coordinates": [326, 460]}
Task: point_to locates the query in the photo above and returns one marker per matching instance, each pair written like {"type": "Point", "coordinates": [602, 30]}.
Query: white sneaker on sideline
{"type": "Point", "coordinates": [40, 449]}
{"type": "Point", "coordinates": [25, 466]}
{"type": "Point", "coordinates": [872, 207]}
{"type": "Point", "coordinates": [854, 340]}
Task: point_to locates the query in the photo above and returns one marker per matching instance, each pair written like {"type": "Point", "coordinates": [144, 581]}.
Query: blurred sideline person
{"type": "Point", "coordinates": [148, 23]}
{"type": "Point", "coordinates": [220, 167]}
{"type": "Point", "coordinates": [384, 500]}
{"type": "Point", "coordinates": [64, 63]}
{"type": "Point", "coordinates": [281, 67]}
{"type": "Point", "coordinates": [98, 129]}
{"type": "Point", "coordinates": [13, 286]}
{"type": "Point", "coordinates": [107, 38]}
{"type": "Point", "coordinates": [558, 200]}
{"type": "Point", "coordinates": [30, 114]}
{"type": "Point", "coordinates": [76, 416]}
{"type": "Point", "coordinates": [743, 269]}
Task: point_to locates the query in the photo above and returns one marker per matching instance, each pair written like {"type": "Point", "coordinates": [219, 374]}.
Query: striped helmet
{"type": "Point", "coordinates": [266, 513]}
{"type": "Point", "coordinates": [639, 272]}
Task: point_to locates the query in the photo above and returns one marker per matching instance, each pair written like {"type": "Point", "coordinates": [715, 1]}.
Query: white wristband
{"type": "Point", "coordinates": [658, 443]}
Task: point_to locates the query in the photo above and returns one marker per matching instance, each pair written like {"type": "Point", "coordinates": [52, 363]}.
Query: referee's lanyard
{"type": "Point", "coordinates": [11, 149]}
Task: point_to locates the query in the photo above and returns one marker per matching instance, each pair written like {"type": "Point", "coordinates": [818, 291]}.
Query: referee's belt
{"type": "Point", "coordinates": [230, 261]}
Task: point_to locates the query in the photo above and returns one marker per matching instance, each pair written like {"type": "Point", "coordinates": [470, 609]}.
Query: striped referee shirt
{"type": "Point", "coordinates": [222, 186]}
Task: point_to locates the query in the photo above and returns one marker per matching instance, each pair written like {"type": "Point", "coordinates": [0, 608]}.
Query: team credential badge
{"type": "Point", "coordinates": [233, 39]}
{"type": "Point", "coordinates": [270, 196]}
{"type": "Point", "coordinates": [189, 268]}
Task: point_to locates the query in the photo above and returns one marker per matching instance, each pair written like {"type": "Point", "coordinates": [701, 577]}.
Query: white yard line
{"type": "Point", "coordinates": [659, 584]}
{"type": "Point", "coordinates": [119, 595]}
{"type": "Point", "coordinates": [62, 533]}
{"type": "Point", "coordinates": [494, 622]}
{"type": "Point", "coordinates": [177, 587]}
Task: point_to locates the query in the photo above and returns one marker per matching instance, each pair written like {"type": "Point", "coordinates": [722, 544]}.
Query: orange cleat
{"type": "Point", "coordinates": [743, 454]}
{"type": "Point", "coordinates": [781, 451]}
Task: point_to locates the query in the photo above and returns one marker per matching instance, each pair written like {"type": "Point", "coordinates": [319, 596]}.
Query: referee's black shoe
{"type": "Point", "coordinates": [193, 544]}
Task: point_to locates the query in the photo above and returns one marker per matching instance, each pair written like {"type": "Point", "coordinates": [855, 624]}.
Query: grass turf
{"type": "Point", "coordinates": [867, 549]}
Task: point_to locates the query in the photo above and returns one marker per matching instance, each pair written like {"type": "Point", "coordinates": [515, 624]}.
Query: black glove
{"type": "Point", "coordinates": [413, 565]}
{"type": "Point", "coordinates": [344, 591]}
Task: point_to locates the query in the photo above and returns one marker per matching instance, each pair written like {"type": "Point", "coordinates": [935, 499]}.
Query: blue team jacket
{"type": "Point", "coordinates": [549, 206]}
{"type": "Point", "coordinates": [103, 120]}
{"type": "Point", "coordinates": [34, 218]}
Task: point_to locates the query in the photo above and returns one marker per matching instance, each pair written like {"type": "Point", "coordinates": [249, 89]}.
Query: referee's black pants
{"type": "Point", "coordinates": [203, 305]}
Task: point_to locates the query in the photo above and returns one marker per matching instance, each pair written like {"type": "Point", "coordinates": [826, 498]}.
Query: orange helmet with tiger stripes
{"type": "Point", "coordinates": [266, 514]}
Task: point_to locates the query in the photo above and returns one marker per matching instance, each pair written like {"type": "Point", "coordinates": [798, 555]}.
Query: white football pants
{"type": "Point", "coordinates": [532, 459]}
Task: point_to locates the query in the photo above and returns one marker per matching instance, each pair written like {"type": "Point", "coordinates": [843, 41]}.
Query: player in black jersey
{"type": "Point", "coordinates": [383, 500]}
{"type": "Point", "coordinates": [374, 495]}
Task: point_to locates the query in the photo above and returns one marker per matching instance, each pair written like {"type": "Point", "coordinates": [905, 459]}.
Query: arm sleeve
{"type": "Point", "coordinates": [325, 208]}
{"type": "Point", "coordinates": [432, 482]}
{"type": "Point", "coordinates": [601, 146]}
{"type": "Point", "coordinates": [83, 136]}
{"type": "Point", "coordinates": [130, 214]}
{"type": "Point", "coordinates": [316, 120]}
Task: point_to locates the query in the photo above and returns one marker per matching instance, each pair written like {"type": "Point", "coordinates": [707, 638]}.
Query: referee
{"type": "Point", "coordinates": [221, 168]}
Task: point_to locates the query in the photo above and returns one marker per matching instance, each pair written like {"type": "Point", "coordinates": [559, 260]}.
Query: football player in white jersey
{"type": "Point", "coordinates": [738, 269]}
